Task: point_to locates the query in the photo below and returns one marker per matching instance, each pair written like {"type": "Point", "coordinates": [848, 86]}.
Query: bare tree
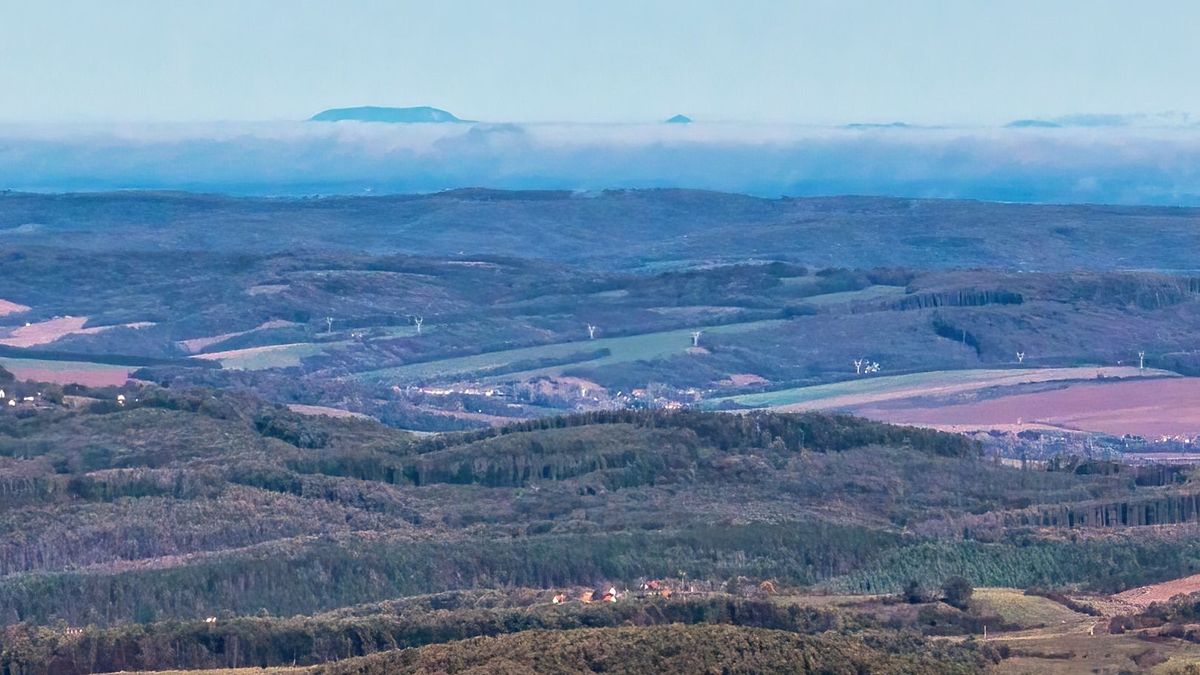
{"type": "Point", "coordinates": [591, 331]}
{"type": "Point", "coordinates": [1141, 360]}
{"type": "Point", "coordinates": [696, 337]}
{"type": "Point", "coordinates": [417, 321]}
{"type": "Point", "coordinates": [329, 324]}
{"type": "Point", "coordinates": [1020, 357]}
{"type": "Point", "coordinates": [858, 366]}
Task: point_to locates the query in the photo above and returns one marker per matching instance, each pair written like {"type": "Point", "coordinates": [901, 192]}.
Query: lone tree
{"type": "Point", "coordinates": [957, 592]}
{"type": "Point", "coordinates": [913, 593]}
{"type": "Point", "coordinates": [696, 337]}
{"type": "Point", "coordinates": [1020, 357]}
{"type": "Point", "coordinates": [417, 321]}
{"type": "Point", "coordinates": [591, 331]}
{"type": "Point", "coordinates": [329, 324]}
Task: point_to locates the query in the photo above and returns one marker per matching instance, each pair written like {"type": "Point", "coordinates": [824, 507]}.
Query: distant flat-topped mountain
{"type": "Point", "coordinates": [1168, 119]}
{"type": "Point", "coordinates": [1033, 124]}
{"type": "Point", "coordinates": [879, 125]}
{"type": "Point", "coordinates": [370, 113]}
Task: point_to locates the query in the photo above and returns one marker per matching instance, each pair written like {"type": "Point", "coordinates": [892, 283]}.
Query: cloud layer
{"type": "Point", "coordinates": [1121, 165]}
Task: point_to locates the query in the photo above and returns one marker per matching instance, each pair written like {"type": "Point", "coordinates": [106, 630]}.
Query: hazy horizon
{"type": "Point", "coordinates": [211, 96]}
{"type": "Point", "coordinates": [924, 63]}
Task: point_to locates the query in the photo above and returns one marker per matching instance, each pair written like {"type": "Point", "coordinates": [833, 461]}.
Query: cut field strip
{"type": "Point", "coordinates": [935, 383]}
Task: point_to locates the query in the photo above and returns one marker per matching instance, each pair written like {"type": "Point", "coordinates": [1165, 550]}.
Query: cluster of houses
{"type": "Point", "coordinates": [589, 596]}
{"type": "Point", "coordinates": [659, 397]}
{"type": "Point", "coordinates": [16, 400]}
{"type": "Point", "coordinates": [1180, 439]}
{"type": "Point", "coordinates": [1043, 444]}
{"type": "Point", "coordinates": [648, 589]}
{"type": "Point", "coordinates": [563, 393]}
{"type": "Point", "coordinates": [659, 588]}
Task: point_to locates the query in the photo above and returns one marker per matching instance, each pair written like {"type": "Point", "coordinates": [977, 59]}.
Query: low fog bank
{"type": "Point", "coordinates": [1118, 165]}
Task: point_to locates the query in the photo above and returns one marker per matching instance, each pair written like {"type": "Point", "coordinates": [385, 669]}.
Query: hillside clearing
{"type": "Point", "coordinates": [195, 345]}
{"type": "Point", "coordinates": [262, 358]}
{"type": "Point", "coordinates": [877, 292]}
{"type": "Point", "coordinates": [325, 410]}
{"type": "Point", "coordinates": [642, 347]}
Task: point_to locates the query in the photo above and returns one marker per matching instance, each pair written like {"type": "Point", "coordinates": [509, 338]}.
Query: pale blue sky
{"type": "Point", "coordinates": [948, 62]}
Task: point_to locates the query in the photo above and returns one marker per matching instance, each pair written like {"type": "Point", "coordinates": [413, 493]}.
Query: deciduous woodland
{"type": "Point", "coordinates": [627, 431]}
{"type": "Point", "coordinates": [199, 529]}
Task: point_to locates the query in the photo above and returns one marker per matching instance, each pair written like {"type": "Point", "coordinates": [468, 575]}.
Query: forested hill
{"type": "Point", "coordinates": [180, 503]}
{"type": "Point", "coordinates": [174, 528]}
{"type": "Point", "coordinates": [625, 228]}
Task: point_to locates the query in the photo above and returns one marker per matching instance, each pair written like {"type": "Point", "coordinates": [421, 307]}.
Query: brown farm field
{"type": "Point", "coordinates": [9, 307]}
{"type": "Point", "coordinates": [1149, 408]}
{"type": "Point", "coordinates": [45, 332]}
{"type": "Point", "coordinates": [67, 372]}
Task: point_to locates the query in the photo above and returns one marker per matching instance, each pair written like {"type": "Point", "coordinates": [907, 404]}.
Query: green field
{"type": "Point", "coordinates": [869, 293]}
{"type": "Point", "coordinates": [1015, 607]}
{"type": "Point", "coordinates": [14, 364]}
{"type": "Point", "coordinates": [622, 350]}
{"type": "Point", "coordinates": [291, 354]}
{"type": "Point", "coordinates": [874, 388]}
{"type": "Point", "coordinates": [389, 332]}
{"type": "Point", "coordinates": [64, 372]}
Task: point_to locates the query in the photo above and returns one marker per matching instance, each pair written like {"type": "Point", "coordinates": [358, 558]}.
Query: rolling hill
{"type": "Point", "coordinates": [621, 228]}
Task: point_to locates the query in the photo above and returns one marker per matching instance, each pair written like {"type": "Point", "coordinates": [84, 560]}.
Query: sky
{"type": "Point", "coordinates": [956, 62]}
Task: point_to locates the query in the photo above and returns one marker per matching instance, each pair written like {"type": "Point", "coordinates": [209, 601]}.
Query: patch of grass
{"type": "Point", "coordinates": [1078, 653]}
{"type": "Point", "coordinates": [878, 292]}
{"type": "Point", "coordinates": [262, 358]}
{"type": "Point", "coordinates": [1027, 611]}
{"type": "Point", "coordinates": [59, 366]}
